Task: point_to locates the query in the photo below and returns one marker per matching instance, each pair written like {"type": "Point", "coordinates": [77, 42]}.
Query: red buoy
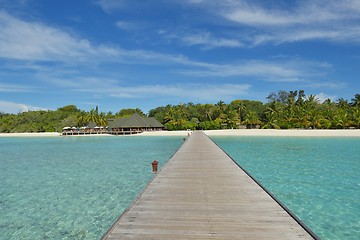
{"type": "Point", "coordinates": [154, 166]}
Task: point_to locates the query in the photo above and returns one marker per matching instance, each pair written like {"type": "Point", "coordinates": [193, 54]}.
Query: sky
{"type": "Point", "coordinates": [118, 54]}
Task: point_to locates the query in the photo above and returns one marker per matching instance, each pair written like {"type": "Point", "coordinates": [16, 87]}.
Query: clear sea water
{"type": "Point", "coordinates": [317, 178]}
{"type": "Point", "coordinates": [73, 187]}
{"type": "Point", "coordinates": [76, 187]}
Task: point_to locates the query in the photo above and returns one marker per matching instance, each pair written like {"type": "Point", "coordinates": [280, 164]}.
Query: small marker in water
{"type": "Point", "coordinates": [154, 166]}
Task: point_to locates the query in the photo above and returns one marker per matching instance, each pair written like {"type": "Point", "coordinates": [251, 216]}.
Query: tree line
{"type": "Point", "coordinates": [284, 110]}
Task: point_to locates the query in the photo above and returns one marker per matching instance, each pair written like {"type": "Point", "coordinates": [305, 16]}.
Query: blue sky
{"type": "Point", "coordinates": [143, 54]}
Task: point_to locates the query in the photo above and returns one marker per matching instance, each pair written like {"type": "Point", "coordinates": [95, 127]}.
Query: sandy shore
{"type": "Point", "coordinates": [42, 134]}
{"type": "Point", "coordinates": [234, 132]}
{"type": "Point", "coordinates": [263, 132]}
{"type": "Point", "coordinates": [290, 133]}
{"type": "Point", "coordinates": [49, 134]}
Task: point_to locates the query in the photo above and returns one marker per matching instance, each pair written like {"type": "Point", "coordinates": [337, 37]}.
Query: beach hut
{"type": "Point", "coordinates": [133, 124]}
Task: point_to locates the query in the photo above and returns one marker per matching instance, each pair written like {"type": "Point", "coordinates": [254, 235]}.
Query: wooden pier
{"type": "Point", "coordinates": [201, 193]}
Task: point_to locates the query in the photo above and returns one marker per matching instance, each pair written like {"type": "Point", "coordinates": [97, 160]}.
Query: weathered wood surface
{"type": "Point", "coordinates": [202, 194]}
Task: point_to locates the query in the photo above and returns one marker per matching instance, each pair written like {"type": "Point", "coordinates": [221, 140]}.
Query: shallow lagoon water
{"type": "Point", "coordinates": [317, 178]}
{"type": "Point", "coordinates": [76, 187]}
{"type": "Point", "coordinates": [73, 187]}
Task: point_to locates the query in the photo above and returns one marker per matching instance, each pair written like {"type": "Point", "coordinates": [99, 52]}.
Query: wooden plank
{"type": "Point", "coordinates": [202, 194]}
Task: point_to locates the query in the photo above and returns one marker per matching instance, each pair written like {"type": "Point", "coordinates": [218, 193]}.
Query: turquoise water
{"type": "Point", "coordinates": [318, 179]}
{"type": "Point", "coordinates": [73, 187]}
{"type": "Point", "coordinates": [76, 187]}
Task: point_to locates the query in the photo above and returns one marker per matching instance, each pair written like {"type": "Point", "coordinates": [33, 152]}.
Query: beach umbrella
{"type": "Point", "coordinates": [66, 128]}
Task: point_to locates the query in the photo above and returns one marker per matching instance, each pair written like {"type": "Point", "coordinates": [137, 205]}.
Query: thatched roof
{"type": "Point", "coordinates": [154, 123]}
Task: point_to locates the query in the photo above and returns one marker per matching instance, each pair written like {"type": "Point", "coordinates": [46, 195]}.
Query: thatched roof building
{"type": "Point", "coordinates": [133, 124]}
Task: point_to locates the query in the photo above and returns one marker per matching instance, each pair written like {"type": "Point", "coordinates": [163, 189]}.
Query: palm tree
{"type": "Point", "coordinates": [169, 115]}
{"type": "Point", "coordinates": [271, 120]}
{"type": "Point", "coordinates": [342, 119]}
{"type": "Point", "coordinates": [209, 110]}
{"type": "Point", "coordinates": [301, 97]}
{"type": "Point", "coordinates": [221, 105]}
{"type": "Point", "coordinates": [251, 119]}
{"type": "Point", "coordinates": [232, 119]}
{"type": "Point", "coordinates": [355, 102]}
{"type": "Point", "coordinates": [92, 116]}
{"type": "Point", "coordinates": [342, 103]}
{"type": "Point", "coordinates": [82, 119]}
{"type": "Point", "coordinates": [291, 98]}
{"type": "Point", "coordinates": [312, 100]}
{"type": "Point", "coordinates": [182, 111]}
{"type": "Point", "coordinates": [239, 106]}
{"type": "Point", "coordinates": [102, 121]}
{"type": "Point", "coordinates": [356, 117]}
{"type": "Point", "coordinates": [314, 119]}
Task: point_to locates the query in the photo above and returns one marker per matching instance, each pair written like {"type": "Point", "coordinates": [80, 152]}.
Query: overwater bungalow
{"type": "Point", "coordinates": [91, 128]}
{"type": "Point", "coordinates": [120, 126]}
{"type": "Point", "coordinates": [133, 125]}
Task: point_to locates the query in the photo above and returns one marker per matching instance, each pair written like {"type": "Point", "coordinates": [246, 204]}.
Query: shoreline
{"type": "Point", "coordinates": [229, 132]}
{"type": "Point", "coordinates": [287, 132]}
{"type": "Point", "coordinates": [42, 134]}
{"type": "Point", "coordinates": [264, 132]}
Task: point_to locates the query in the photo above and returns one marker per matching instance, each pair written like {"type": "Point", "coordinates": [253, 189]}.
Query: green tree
{"type": "Point", "coordinates": [355, 102]}
{"type": "Point", "coordinates": [252, 119]}
{"type": "Point", "coordinates": [127, 112]}
{"type": "Point", "coordinates": [280, 96]}
{"type": "Point", "coordinates": [355, 117]}
{"type": "Point", "coordinates": [240, 107]}
{"type": "Point", "coordinates": [271, 120]}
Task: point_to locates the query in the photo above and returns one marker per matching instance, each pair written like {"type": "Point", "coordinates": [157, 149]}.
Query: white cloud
{"type": "Point", "coordinates": [111, 5]}
{"type": "Point", "coordinates": [12, 107]}
{"type": "Point", "coordinates": [125, 25]}
{"type": "Point", "coordinates": [32, 41]}
{"type": "Point", "coordinates": [307, 12]}
{"type": "Point", "coordinates": [322, 97]}
{"type": "Point", "coordinates": [23, 40]}
{"type": "Point", "coordinates": [327, 85]}
{"type": "Point", "coordinates": [5, 87]}
{"type": "Point", "coordinates": [301, 20]}
{"type": "Point", "coordinates": [297, 35]}
{"type": "Point", "coordinates": [208, 42]}
{"type": "Point", "coordinates": [118, 89]}
{"type": "Point", "coordinates": [192, 91]}
{"type": "Point", "coordinates": [285, 70]}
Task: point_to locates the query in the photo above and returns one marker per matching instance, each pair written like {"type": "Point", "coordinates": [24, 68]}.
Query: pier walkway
{"type": "Point", "coordinates": [202, 194]}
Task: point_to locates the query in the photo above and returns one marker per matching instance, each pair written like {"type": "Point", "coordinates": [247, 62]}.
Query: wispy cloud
{"type": "Point", "coordinates": [208, 42]}
{"type": "Point", "coordinates": [125, 25]}
{"type": "Point", "coordinates": [4, 87]}
{"type": "Point", "coordinates": [118, 89]}
{"type": "Point", "coordinates": [328, 85]}
{"type": "Point", "coordinates": [306, 12]}
{"type": "Point", "coordinates": [12, 107]}
{"type": "Point", "coordinates": [35, 41]}
{"type": "Point", "coordinates": [302, 20]}
{"type": "Point", "coordinates": [111, 5]}
{"type": "Point", "coordinates": [323, 96]}
{"type": "Point", "coordinates": [22, 40]}
{"type": "Point", "coordinates": [284, 70]}
{"type": "Point", "coordinates": [194, 91]}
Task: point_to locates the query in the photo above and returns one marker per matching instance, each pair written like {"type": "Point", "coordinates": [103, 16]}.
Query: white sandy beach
{"type": "Point", "coordinates": [290, 133]}
{"type": "Point", "coordinates": [49, 134]}
{"type": "Point", "coordinates": [42, 134]}
{"type": "Point", "coordinates": [263, 132]}
{"type": "Point", "coordinates": [231, 132]}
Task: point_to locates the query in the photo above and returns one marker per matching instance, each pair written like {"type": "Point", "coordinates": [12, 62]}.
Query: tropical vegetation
{"type": "Point", "coordinates": [284, 110]}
